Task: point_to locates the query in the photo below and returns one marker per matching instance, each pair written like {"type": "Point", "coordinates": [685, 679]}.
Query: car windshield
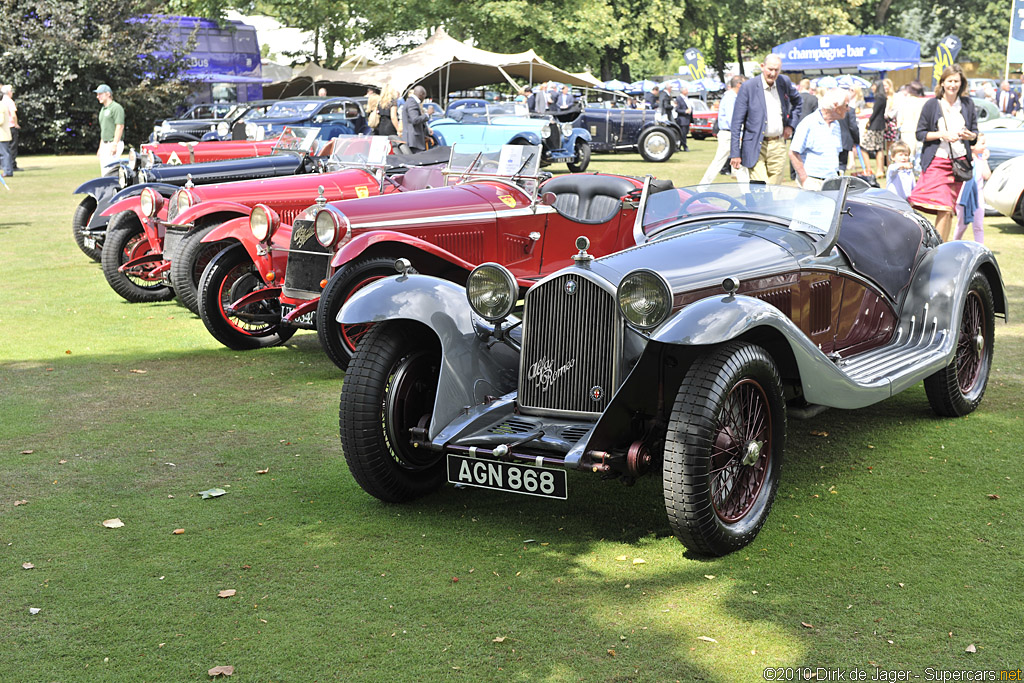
{"type": "Point", "coordinates": [518, 162]}
{"type": "Point", "coordinates": [483, 113]}
{"type": "Point", "coordinates": [284, 109]}
{"type": "Point", "coordinates": [352, 150]}
{"type": "Point", "coordinates": [802, 211]}
{"type": "Point", "coordinates": [296, 139]}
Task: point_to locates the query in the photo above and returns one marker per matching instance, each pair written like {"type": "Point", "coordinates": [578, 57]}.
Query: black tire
{"type": "Point", "coordinates": [958, 388]}
{"type": "Point", "coordinates": [188, 263]}
{"type": "Point", "coordinates": [390, 388]}
{"type": "Point", "coordinates": [340, 341]}
{"type": "Point", "coordinates": [657, 144]}
{"type": "Point", "coordinates": [125, 241]}
{"type": "Point", "coordinates": [86, 208]}
{"type": "Point", "coordinates": [230, 275]}
{"type": "Point", "coordinates": [1018, 213]}
{"type": "Point", "coordinates": [579, 165]}
{"type": "Point", "coordinates": [723, 448]}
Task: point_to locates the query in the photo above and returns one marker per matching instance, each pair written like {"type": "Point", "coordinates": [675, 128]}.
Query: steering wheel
{"type": "Point", "coordinates": [732, 201]}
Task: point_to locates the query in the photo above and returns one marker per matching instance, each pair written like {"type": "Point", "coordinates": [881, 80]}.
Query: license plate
{"type": "Point", "coordinates": [505, 476]}
{"type": "Point", "coordinates": [307, 319]}
{"type": "Point", "coordinates": [90, 242]}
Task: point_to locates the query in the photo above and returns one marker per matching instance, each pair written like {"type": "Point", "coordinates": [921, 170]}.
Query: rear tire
{"type": "Point", "coordinates": [723, 448]}
{"type": "Point", "coordinates": [389, 388]}
{"type": "Point", "coordinates": [230, 276]}
{"type": "Point", "coordinates": [957, 389]}
{"type": "Point", "coordinates": [657, 144]}
{"type": "Point", "coordinates": [126, 240]}
{"type": "Point", "coordinates": [340, 341]}
{"type": "Point", "coordinates": [579, 165]}
{"type": "Point", "coordinates": [79, 222]}
{"type": "Point", "coordinates": [188, 263]}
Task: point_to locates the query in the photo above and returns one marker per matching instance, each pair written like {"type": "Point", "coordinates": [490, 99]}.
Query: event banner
{"type": "Point", "coordinates": [1015, 51]}
{"type": "Point", "coordinates": [695, 62]}
{"type": "Point", "coordinates": [945, 55]}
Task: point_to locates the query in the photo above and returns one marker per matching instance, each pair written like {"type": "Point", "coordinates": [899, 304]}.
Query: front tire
{"type": "Point", "coordinates": [657, 144]}
{"type": "Point", "coordinates": [723, 449]}
{"type": "Point", "coordinates": [389, 389]}
{"type": "Point", "coordinates": [79, 222]}
{"type": "Point", "coordinates": [958, 388]}
{"type": "Point", "coordinates": [188, 263]}
{"type": "Point", "coordinates": [339, 341]}
{"type": "Point", "coordinates": [579, 165]}
{"type": "Point", "coordinates": [230, 276]}
{"type": "Point", "coordinates": [126, 240]}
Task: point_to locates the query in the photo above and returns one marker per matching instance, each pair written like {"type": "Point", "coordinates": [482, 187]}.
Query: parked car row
{"type": "Point", "coordinates": [501, 328]}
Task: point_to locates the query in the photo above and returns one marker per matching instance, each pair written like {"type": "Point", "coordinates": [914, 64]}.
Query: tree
{"type": "Point", "coordinates": [58, 51]}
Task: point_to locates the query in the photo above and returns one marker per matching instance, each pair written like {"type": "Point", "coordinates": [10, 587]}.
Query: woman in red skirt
{"type": "Point", "coordinates": [947, 127]}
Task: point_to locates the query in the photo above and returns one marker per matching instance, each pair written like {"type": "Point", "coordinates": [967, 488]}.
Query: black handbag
{"type": "Point", "coordinates": [963, 169]}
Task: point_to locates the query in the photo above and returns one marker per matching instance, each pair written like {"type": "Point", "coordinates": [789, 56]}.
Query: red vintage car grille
{"type": "Point", "coordinates": [570, 347]}
{"type": "Point", "coordinates": [308, 262]}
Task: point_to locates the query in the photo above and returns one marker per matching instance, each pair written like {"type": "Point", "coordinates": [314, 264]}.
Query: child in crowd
{"type": "Point", "coordinates": [899, 178]}
{"type": "Point", "coordinates": [971, 204]}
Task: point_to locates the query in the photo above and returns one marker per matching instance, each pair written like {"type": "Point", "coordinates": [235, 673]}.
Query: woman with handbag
{"type": "Point", "coordinates": [946, 129]}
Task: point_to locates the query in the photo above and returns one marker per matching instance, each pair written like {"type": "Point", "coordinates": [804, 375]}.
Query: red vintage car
{"type": "Point", "coordinates": [196, 152]}
{"type": "Point", "coordinates": [156, 249]}
{"type": "Point", "coordinates": [492, 207]}
{"type": "Point", "coordinates": [702, 125]}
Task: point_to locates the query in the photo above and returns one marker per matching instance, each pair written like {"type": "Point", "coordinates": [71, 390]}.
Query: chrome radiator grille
{"type": "Point", "coordinates": [308, 261]}
{"type": "Point", "coordinates": [172, 238]}
{"type": "Point", "coordinates": [571, 345]}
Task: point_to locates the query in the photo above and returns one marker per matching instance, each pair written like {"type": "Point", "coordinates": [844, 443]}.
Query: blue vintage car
{"type": "Point", "coordinates": [619, 129]}
{"type": "Point", "coordinates": [333, 115]}
{"type": "Point", "coordinates": [475, 121]}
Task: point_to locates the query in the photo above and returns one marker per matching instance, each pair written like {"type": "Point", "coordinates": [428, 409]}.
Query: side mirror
{"type": "Point", "coordinates": [548, 199]}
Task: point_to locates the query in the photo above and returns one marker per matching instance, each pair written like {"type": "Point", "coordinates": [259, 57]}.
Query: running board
{"type": "Point", "coordinates": [918, 345]}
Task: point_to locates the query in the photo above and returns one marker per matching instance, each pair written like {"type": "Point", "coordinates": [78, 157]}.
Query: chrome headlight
{"type": "Point", "coordinates": [165, 127]}
{"type": "Point", "coordinates": [263, 221]}
{"type": "Point", "coordinates": [180, 200]}
{"type": "Point", "coordinates": [148, 159]}
{"type": "Point", "coordinates": [545, 132]}
{"type": "Point", "coordinates": [223, 129]}
{"type": "Point", "coordinates": [645, 299]}
{"type": "Point", "coordinates": [332, 228]}
{"type": "Point", "coordinates": [566, 129]}
{"type": "Point", "coordinates": [253, 132]}
{"type": "Point", "coordinates": [133, 159]}
{"type": "Point", "coordinates": [151, 202]}
{"type": "Point", "coordinates": [143, 177]}
{"type": "Point", "coordinates": [123, 177]}
{"type": "Point", "coordinates": [492, 291]}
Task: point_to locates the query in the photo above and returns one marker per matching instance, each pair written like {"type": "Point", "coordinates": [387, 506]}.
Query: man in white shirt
{"type": "Point", "coordinates": [762, 122]}
{"type": "Point", "coordinates": [725, 109]}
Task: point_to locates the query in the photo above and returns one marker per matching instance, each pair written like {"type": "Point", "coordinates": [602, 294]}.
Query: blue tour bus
{"type": "Point", "coordinates": [225, 63]}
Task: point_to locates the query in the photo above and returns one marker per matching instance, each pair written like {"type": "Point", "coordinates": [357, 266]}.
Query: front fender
{"type": "Point", "coordinates": [530, 137]}
{"type": "Point", "coordinates": [577, 134]}
{"type": "Point", "coordinates": [126, 204]}
{"type": "Point", "coordinates": [470, 370]}
{"type": "Point", "coordinates": [237, 229]}
{"type": "Point", "coordinates": [100, 188]}
{"type": "Point", "coordinates": [375, 239]}
{"type": "Point", "coordinates": [105, 209]}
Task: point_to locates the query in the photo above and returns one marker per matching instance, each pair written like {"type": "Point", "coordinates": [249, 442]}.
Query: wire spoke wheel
{"type": "Point", "coordinates": [744, 435]}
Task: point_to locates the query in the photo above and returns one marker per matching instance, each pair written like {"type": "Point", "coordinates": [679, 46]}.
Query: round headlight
{"type": "Point", "coordinates": [492, 291]}
{"type": "Point", "coordinates": [263, 221]}
{"type": "Point", "coordinates": [122, 176]}
{"type": "Point", "coordinates": [165, 127]}
{"type": "Point", "coordinates": [545, 132]}
{"type": "Point", "coordinates": [151, 202]}
{"type": "Point", "coordinates": [326, 227]}
{"type": "Point", "coordinates": [180, 200]}
{"type": "Point", "coordinates": [252, 130]}
{"type": "Point", "coordinates": [133, 158]}
{"type": "Point", "coordinates": [566, 129]}
{"type": "Point", "coordinates": [148, 159]}
{"type": "Point", "coordinates": [223, 129]}
{"type": "Point", "coordinates": [645, 299]}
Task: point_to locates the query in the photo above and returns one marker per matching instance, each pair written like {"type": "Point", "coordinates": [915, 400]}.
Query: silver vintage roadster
{"type": "Point", "coordinates": [681, 356]}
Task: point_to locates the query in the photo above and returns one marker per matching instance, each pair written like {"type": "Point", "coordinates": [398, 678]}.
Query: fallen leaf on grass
{"type": "Point", "coordinates": [499, 639]}
{"type": "Point", "coordinates": [114, 523]}
{"type": "Point", "coordinates": [178, 532]}
{"type": "Point", "coordinates": [806, 625]}
{"type": "Point", "coordinates": [817, 432]}
{"type": "Point", "coordinates": [37, 610]}
{"type": "Point", "coordinates": [611, 652]}
{"type": "Point", "coordinates": [993, 496]}
{"type": "Point", "coordinates": [620, 558]}
{"type": "Point", "coordinates": [971, 648]}
{"type": "Point", "coordinates": [28, 565]}
{"type": "Point", "coordinates": [637, 560]}
{"type": "Point", "coordinates": [20, 502]}
{"type": "Point", "coordinates": [263, 471]}
{"type": "Point", "coordinates": [28, 452]}
{"type": "Point", "coordinates": [61, 462]}
{"type": "Point", "coordinates": [222, 671]}
{"type": "Point", "coordinates": [212, 493]}
{"type": "Point", "coordinates": [709, 577]}
{"type": "Point", "coordinates": [227, 593]}
{"type": "Point", "coordinates": [706, 639]}
{"type": "Point", "coordinates": [138, 372]}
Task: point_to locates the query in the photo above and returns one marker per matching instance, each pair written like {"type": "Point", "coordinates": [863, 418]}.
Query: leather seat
{"type": "Point", "coordinates": [590, 199]}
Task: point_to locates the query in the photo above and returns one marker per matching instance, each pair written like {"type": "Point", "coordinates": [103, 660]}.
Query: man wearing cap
{"type": "Point", "coordinates": [111, 129]}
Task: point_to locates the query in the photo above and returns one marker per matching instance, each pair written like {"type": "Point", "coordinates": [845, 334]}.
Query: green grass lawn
{"type": "Point", "coordinates": [894, 544]}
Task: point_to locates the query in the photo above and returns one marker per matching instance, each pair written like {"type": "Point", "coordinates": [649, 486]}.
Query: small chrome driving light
{"type": "Point", "coordinates": [263, 222]}
{"type": "Point", "coordinates": [566, 129]}
{"type": "Point", "coordinates": [545, 132]}
{"type": "Point", "coordinates": [492, 291]}
{"type": "Point", "coordinates": [151, 202]}
{"type": "Point", "coordinates": [123, 176]}
{"type": "Point", "coordinates": [645, 299]}
{"type": "Point", "coordinates": [133, 159]}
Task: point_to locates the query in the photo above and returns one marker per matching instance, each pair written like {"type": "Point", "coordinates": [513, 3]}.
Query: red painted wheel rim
{"type": "Point", "coordinates": [745, 419]}
{"type": "Point", "coordinates": [351, 334]}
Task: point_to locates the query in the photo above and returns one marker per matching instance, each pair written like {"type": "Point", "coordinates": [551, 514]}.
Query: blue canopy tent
{"type": "Point", "coordinates": [615, 84]}
{"type": "Point", "coordinates": [839, 54]}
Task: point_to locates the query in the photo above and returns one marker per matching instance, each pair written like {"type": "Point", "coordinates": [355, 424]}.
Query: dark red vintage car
{"type": "Point", "coordinates": [492, 206]}
{"type": "Point", "coordinates": [703, 123]}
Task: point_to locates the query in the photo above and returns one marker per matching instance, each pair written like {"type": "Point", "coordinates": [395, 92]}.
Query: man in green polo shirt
{"type": "Point", "coordinates": [111, 130]}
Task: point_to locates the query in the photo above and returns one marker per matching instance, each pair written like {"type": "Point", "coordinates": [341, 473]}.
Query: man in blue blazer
{"type": "Point", "coordinates": [762, 121]}
{"type": "Point", "coordinates": [1007, 100]}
